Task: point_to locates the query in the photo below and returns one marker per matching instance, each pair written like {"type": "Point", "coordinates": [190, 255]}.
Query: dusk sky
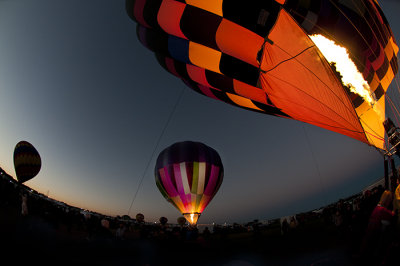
{"type": "Point", "coordinates": [77, 84]}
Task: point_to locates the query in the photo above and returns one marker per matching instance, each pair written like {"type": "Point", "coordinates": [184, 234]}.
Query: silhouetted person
{"type": "Point", "coordinates": [24, 205]}
{"type": "Point", "coordinates": [206, 233]}
{"type": "Point", "coordinates": [375, 240]}
{"type": "Point", "coordinates": [284, 227]}
{"type": "Point", "coordinates": [120, 232]}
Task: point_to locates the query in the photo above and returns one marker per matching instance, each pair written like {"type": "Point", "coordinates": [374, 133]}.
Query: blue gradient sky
{"type": "Point", "coordinates": [77, 84]}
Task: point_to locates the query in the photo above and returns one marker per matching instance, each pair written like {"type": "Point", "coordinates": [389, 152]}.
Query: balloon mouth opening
{"type": "Point", "coordinates": [192, 217]}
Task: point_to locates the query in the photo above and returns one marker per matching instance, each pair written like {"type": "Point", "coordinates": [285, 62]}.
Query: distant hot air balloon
{"type": "Point", "coordinates": [140, 217]}
{"type": "Point", "coordinates": [181, 220]}
{"type": "Point", "coordinates": [280, 57]}
{"type": "Point", "coordinates": [163, 220]}
{"type": "Point", "coordinates": [27, 162]}
{"type": "Point", "coordinates": [189, 174]}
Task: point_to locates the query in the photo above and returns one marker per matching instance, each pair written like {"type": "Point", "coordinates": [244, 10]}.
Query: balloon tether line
{"type": "Point", "coordinates": [156, 146]}
{"type": "Point", "coordinates": [316, 164]}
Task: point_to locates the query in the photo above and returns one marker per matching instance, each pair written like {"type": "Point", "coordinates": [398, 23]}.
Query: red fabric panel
{"type": "Point", "coordinates": [197, 74]}
{"type": "Point", "coordinates": [169, 17]}
{"type": "Point", "coordinates": [247, 91]}
{"type": "Point", "coordinates": [238, 42]}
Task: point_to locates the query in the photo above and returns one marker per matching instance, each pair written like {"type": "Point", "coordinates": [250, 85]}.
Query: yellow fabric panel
{"type": "Point", "coordinates": [364, 107]}
{"type": "Point", "coordinates": [204, 57]}
{"type": "Point", "coordinates": [192, 207]}
{"type": "Point", "coordinates": [387, 79]}
{"type": "Point", "coordinates": [372, 122]}
{"type": "Point", "coordinates": [389, 50]}
{"type": "Point", "coordinates": [178, 202]}
{"type": "Point", "coordinates": [244, 102]}
{"type": "Point", "coordinates": [213, 6]}
{"type": "Point", "coordinates": [395, 47]}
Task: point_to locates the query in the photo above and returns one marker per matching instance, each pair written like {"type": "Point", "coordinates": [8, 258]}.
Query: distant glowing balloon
{"type": "Point", "coordinates": [189, 174]}
{"type": "Point", "coordinates": [27, 161]}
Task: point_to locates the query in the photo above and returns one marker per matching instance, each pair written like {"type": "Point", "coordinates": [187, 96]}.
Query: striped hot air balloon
{"type": "Point", "coordinates": [27, 161]}
{"type": "Point", "coordinates": [189, 174]}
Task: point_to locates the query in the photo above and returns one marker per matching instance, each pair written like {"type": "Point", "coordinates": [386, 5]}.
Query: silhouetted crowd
{"type": "Point", "coordinates": [364, 228]}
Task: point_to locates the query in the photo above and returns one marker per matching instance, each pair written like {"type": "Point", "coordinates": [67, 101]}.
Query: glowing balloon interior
{"type": "Point", "coordinates": [259, 55]}
{"type": "Point", "coordinates": [27, 161]}
{"type": "Point", "coordinates": [189, 174]}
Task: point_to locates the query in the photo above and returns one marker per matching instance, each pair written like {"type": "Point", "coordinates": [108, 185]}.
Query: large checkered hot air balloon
{"type": "Point", "coordinates": [189, 174]}
{"type": "Point", "coordinates": [27, 161]}
{"type": "Point", "coordinates": [328, 63]}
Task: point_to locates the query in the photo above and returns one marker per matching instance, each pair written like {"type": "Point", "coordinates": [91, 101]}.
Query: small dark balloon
{"type": "Point", "coordinates": [27, 161]}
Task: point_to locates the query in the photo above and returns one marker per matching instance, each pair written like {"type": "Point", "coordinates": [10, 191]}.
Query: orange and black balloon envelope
{"type": "Point", "coordinates": [269, 56]}
{"type": "Point", "coordinates": [27, 161]}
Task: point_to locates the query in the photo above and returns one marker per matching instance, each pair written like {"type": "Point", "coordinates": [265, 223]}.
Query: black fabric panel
{"type": "Point", "coordinates": [129, 4]}
{"type": "Point", "coordinates": [349, 36]}
{"type": "Point", "coordinates": [150, 13]}
{"type": "Point", "coordinates": [193, 86]}
{"type": "Point", "coordinates": [188, 152]}
{"type": "Point", "coordinates": [379, 92]}
{"type": "Point", "coordinates": [181, 69]}
{"type": "Point", "coordinates": [156, 41]}
{"type": "Point", "coordinates": [299, 11]}
{"type": "Point", "coordinates": [381, 72]}
{"type": "Point", "coordinates": [270, 110]}
{"type": "Point", "coordinates": [239, 70]}
{"type": "Point", "coordinates": [358, 101]}
{"type": "Point", "coordinates": [256, 16]}
{"type": "Point", "coordinates": [219, 81]}
{"type": "Point", "coordinates": [161, 60]}
{"type": "Point", "coordinates": [200, 26]}
{"type": "Point", "coordinates": [355, 98]}
{"type": "Point", "coordinates": [394, 65]}
{"type": "Point", "coordinates": [378, 29]}
{"type": "Point", "coordinates": [386, 27]}
{"type": "Point", "coordinates": [370, 76]}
